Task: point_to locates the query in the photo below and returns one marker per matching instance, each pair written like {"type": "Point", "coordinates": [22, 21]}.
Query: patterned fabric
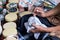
{"type": "Point", "coordinates": [47, 4]}
{"type": "Point", "coordinates": [23, 32]}
{"type": "Point", "coordinates": [23, 3]}
{"type": "Point", "coordinates": [37, 2]}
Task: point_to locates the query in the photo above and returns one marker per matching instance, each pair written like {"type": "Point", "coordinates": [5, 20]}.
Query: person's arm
{"type": "Point", "coordinates": [54, 11]}
{"type": "Point", "coordinates": [43, 29]}
{"type": "Point", "coordinates": [52, 29]}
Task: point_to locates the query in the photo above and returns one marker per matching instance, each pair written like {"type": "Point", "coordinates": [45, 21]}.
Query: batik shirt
{"type": "Point", "coordinates": [49, 4]}
{"type": "Point", "coordinates": [23, 3]}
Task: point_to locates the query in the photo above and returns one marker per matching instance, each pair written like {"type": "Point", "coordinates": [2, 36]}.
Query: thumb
{"type": "Point", "coordinates": [34, 25]}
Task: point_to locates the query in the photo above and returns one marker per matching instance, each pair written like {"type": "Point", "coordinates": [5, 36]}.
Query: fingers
{"type": "Point", "coordinates": [38, 8]}
{"type": "Point", "coordinates": [34, 14]}
{"type": "Point", "coordinates": [34, 31]}
{"type": "Point", "coordinates": [38, 11]}
{"type": "Point", "coordinates": [34, 25]}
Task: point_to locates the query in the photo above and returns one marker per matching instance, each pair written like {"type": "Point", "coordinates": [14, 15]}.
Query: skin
{"type": "Point", "coordinates": [46, 14]}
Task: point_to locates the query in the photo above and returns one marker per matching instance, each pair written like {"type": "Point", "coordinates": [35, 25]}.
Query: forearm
{"type": "Point", "coordinates": [50, 13]}
{"type": "Point", "coordinates": [54, 11]}
{"type": "Point", "coordinates": [52, 29]}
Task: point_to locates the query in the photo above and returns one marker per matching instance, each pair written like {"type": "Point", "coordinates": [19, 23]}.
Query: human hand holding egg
{"type": "Point", "coordinates": [39, 11]}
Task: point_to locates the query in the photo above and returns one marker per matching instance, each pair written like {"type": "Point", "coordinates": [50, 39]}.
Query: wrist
{"type": "Point", "coordinates": [48, 30]}
{"type": "Point", "coordinates": [45, 30]}
{"type": "Point", "coordinates": [51, 30]}
{"type": "Point", "coordinates": [44, 14]}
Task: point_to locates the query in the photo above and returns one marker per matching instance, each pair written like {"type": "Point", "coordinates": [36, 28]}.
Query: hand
{"type": "Point", "coordinates": [39, 11]}
{"type": "Point", "coordinates": [38, 28]}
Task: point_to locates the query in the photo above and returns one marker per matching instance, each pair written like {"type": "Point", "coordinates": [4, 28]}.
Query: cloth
{"type": "Point", "coordinates": [26, 4]}
{"type": "Point", "coordinates": [22, 30]}
{"type": "Point", "coordinates": [53, 1]}
{"type": "Point", "coordinates": [35, 20]}
{"type": "Point", "coordinates": [23, 3]}
{"type": "Point", "coordinates": [52, 4]}
{"type": "Point", "coordinates": [38, 2]}
{"type": "Point", "coordinates": [26, 37]}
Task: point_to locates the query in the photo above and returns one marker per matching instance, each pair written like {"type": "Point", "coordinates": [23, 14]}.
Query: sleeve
{"type": "Point", "coordinates": [53, 2]}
